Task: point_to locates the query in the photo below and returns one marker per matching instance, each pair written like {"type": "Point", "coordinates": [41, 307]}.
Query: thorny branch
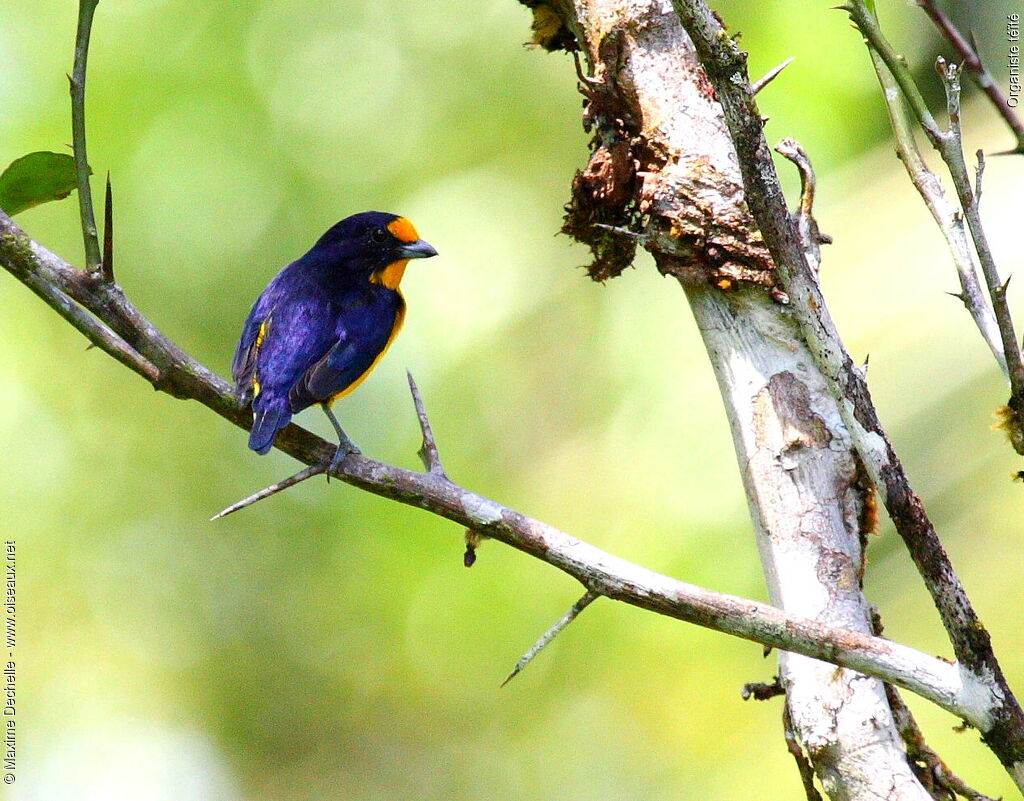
{"type": "Point", "coordinates": [122, 327]}
{"type": "Point", "coordinates": [981, 76]}
{"type": "Point", "coordinates": [950, 222]}
{"type": "Point", "coordinates": [974, 690]}
{"type": "Point", "coordinates": [949, 145]}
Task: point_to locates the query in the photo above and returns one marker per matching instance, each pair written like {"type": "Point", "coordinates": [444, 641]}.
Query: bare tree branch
{"type": "Point", "coordinates": [949, 145]}
{"type": "Point", "coordinates": [981, 76]}
{"type": "Point", "coordinates": [938, 681]}
{"type": "Point", "coordinates": [790, 432]}
{"type": "Point", "coordinates": [950, 222]}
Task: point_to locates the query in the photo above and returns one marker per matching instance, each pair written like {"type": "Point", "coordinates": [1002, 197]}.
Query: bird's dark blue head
{"type": "Point", "coordinates": [373, 245]}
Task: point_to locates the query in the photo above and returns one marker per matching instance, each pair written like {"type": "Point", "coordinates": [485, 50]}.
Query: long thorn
{"type": "Point", "coordinates": [551, 633]}
{"type": "Point", "coordinates": [107, 266]}
{"type": "Point", "coordinates": [273, 489]}
{"type": "Point", "coordinates": [770, 76]}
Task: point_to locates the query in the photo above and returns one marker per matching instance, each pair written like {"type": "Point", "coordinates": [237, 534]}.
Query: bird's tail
{"type": "Point", "coordinates": [270, 415]}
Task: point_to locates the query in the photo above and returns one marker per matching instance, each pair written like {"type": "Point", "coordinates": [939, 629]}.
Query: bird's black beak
{"type": "Point", "coordinates": [417, 250]}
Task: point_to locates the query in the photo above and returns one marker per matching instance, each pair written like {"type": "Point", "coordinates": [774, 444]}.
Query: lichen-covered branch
{"type": "Point", "coordinates": [663, 155]}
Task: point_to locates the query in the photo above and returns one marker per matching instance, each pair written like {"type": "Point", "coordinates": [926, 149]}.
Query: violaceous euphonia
{"type": "Point", "coordinates": [324, 323]}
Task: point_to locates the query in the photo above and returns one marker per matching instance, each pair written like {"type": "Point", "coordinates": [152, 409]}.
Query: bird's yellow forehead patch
{"type": "Point", "coordinates": [403, 230]}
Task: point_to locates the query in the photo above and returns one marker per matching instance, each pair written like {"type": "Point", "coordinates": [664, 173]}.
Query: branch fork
{"type": "Point", "coordinates": [428, 452]}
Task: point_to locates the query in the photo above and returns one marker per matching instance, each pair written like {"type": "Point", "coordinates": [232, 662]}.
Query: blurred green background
{"type": "Point", "coordinates": [329, 644]}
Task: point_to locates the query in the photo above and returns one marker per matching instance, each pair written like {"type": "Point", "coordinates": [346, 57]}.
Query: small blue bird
{"type": "Point", "coordinates": [324, 323]}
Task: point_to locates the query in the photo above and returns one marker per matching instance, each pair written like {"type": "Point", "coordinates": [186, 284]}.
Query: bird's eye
{"type": "Point", "coordinates": [378, 235]}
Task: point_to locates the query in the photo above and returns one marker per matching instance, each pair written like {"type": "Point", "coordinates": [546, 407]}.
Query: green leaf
{"type": "Point", "coordinates": [36, 178]}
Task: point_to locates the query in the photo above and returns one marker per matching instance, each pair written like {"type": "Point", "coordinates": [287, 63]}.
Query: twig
{"type": "Point", "coordinates": [273, 489]}
{"type": "Point", "coordinates": [943, 684]}
{"type": "Point", "coordinates": [950, 223]}
{"type": "Point", "coordinates": [760, 691]}
{"type": "Point", "coordinates": [793, 150]}
{"type": "Point", "coordinates": [107, 266]}
{"type": "Point", "coordinates": [589, 597]}
{"type": "Point", "coordinates": [770, 76]}
{"type": "Point", "coordinates": [807, 226]}
{"type": "Point", "coordinates": [98, 334]}
{"type": "Point", "coordinates": [803, 764]}
{"type": "Point", "coordinates": [949, 145]}
{"type": "Point", "coordinates": [428, 452]}
{"type": "Point", "coordinates": [979, 173]}
{"type": "Point", "coordinates": [933, 773]}
{"type": "Point", "coordinates": [953, 155]}
{"type": "Point", "coordinates": [86, 9]}
{"type": "Point", "coordinates": [868, 26]}
{"type": "Point", "coordinates": [981, 76]}
{"type": "Point", "coordinates": [725, 65]}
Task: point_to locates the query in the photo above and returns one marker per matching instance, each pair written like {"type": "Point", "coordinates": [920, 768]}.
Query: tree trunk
{"type": "Point", "coordinates": [661, 149]}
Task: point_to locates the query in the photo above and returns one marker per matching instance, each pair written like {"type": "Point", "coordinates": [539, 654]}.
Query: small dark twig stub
{"type": "Point", "coordinates": [760, 691]}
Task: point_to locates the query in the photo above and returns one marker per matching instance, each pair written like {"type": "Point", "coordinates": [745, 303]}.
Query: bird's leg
{"type": "Point", "coordinates": [345, 445]}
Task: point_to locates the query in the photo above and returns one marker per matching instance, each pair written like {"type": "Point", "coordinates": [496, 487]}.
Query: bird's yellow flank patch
{"type": "Point", "coordinates": [260, 336]}
{"type": "Point", "coordinates": [403, 230]}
